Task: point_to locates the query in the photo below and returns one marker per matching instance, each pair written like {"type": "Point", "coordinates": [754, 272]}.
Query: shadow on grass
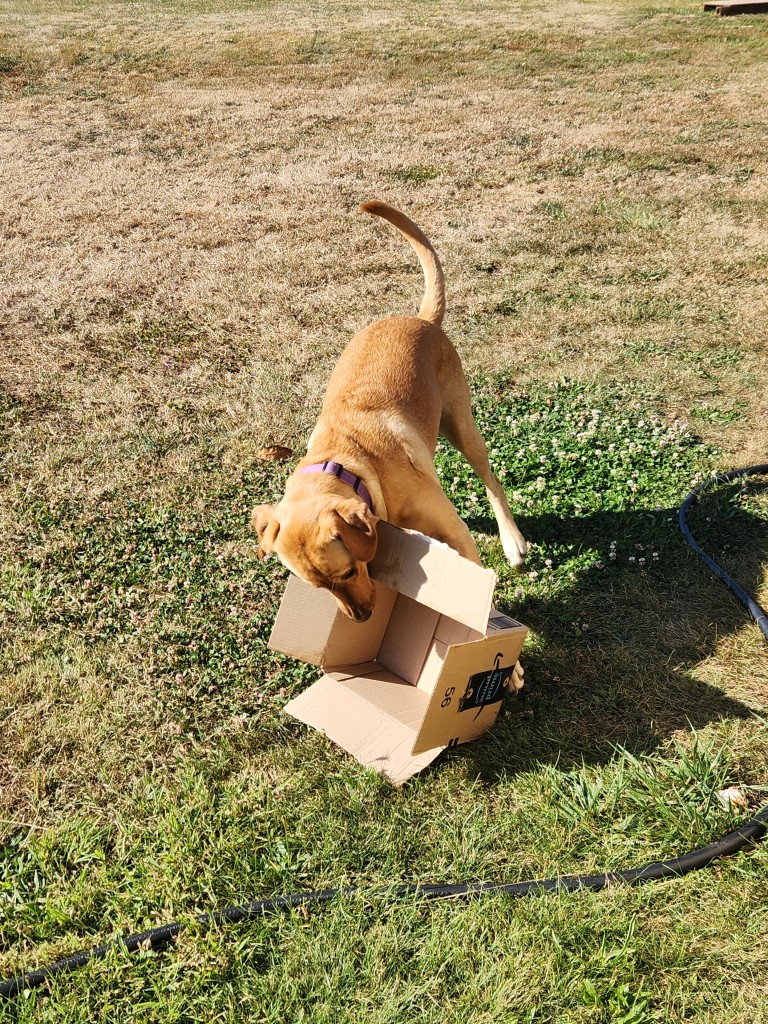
{"type": "Point", "coordinates": [628, 679]}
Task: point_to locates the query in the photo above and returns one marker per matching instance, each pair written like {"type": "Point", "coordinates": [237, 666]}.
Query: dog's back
{"type": "Point", "coordinates": [396, 385]}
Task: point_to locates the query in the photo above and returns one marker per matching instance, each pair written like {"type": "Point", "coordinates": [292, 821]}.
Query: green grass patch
{"type": "Point", "coordinates": [10, 64]}
{"type": "Point", "coordinates": [563, 448]}
{"type": "Point", "coordinates": [418, 173]}
{"type": "Point", "coordinates": [145, 664]}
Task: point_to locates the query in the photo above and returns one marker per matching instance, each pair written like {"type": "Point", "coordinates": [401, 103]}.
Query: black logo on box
{"type": "Point", "coordinates": [486, 688]}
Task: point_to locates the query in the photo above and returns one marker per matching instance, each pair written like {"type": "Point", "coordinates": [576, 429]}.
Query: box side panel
{"type": "Point", "coordinates": [474, 725]}
{"type": "Point", "coordinates": [304, 622]}
{"type": "Point", "coordinates": [433, 666]}
{"type": "Point", "coordinates": [368, 732]}
{"type": "Point", "coordinates": [469, 690]}
{"type": "Point", "coordinates": [434, 575]}
{"type": "Point", "coordinates": [407, 639]}
{"type": "Point", "coordinates": [350, 642]}
{"type": "Point", "coordinates": [449, 632]}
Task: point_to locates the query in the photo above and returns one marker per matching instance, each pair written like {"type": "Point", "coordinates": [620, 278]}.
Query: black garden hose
{"type": "Point", "coordinates": [759, 614]}
{"type": "Point", "coordinates": [748, 834]}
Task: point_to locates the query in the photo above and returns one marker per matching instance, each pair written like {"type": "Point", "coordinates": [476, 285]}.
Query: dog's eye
{"type": "Point", "coordinates": [349, 575]}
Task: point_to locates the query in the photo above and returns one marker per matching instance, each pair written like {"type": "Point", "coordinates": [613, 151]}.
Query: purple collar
{"type": "Point", "coordinates": [337, 470]}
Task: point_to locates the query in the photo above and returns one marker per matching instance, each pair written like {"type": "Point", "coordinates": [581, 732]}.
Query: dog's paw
{"type": "Point", "coordinates": [515, 550]}
{"type": "Point", "coordinates": [517, 681]}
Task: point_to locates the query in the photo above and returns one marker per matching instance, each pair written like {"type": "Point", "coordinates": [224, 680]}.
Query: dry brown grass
{"type": "Point", "coordinates": [179, 214]}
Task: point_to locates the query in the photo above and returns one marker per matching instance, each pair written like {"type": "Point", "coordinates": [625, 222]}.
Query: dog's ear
{"type": "Point", "coordinates": [356, 526]}
{"type": "Point", "coordinates": [267, 526]}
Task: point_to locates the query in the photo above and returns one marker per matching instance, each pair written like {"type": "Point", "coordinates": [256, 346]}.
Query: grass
{"type": "Point", "coordinates": [181, 266]}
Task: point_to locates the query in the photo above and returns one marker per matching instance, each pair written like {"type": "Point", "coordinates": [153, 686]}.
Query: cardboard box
{"type": "Point", "coordinates": [427, 671]}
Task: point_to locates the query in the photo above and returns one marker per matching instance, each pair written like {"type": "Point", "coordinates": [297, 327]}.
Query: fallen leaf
{"type": "Point", "coordinates": [732, 798]}
{"type": "Point", "coordinates": [274, 453]}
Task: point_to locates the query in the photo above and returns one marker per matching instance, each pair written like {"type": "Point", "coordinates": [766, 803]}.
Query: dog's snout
{"type": "Point", "coordinates": [363, 614]}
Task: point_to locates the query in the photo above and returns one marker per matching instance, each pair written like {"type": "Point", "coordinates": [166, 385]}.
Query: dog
{"type": "Point", "coordinates": [397, 385]}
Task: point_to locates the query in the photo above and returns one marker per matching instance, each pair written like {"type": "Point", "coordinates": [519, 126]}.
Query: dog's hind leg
{"type": "Point", "coordinates": [458, 426]}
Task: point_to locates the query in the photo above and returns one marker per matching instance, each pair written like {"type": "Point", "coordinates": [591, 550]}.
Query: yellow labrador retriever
{"type": "Point", "coordinates": [397, 385]}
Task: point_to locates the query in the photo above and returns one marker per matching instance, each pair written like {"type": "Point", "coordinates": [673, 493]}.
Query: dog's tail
{"type": "Point", "coordinates": [433, 303]}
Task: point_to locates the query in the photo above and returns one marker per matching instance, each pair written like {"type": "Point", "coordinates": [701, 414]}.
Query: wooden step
{"type": "Point", "coordinates": [728, 7]}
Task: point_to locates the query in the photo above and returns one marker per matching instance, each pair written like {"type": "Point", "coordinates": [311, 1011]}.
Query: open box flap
{"type": "Point", "coordinates": [311, 627]}
{"type": "Point", "coordinates": [434, 575]}
{"type": "Point", "coordinates": [304, 622]}
{"type": "Point", "coordinates": [373, 717]}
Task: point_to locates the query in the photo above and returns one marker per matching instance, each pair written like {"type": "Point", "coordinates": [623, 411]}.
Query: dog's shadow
{"type": "Point", "coordinates": [617, 658]}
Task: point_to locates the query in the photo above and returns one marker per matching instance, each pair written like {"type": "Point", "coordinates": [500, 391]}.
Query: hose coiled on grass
{"type": "Point", "coordinates": [748, 834]}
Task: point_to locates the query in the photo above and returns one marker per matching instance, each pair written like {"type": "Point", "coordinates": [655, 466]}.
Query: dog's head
{"type": "Point", "coordinates": [327, 546]}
